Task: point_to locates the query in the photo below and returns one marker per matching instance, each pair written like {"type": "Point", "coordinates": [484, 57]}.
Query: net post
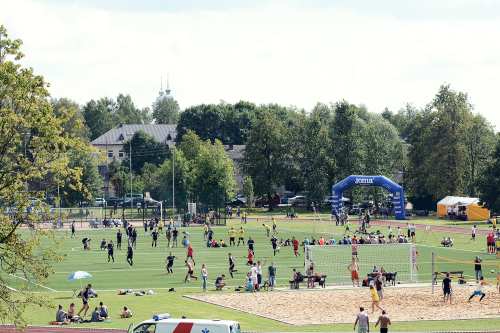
{"type": "Point", "coordinates": [432, 271]}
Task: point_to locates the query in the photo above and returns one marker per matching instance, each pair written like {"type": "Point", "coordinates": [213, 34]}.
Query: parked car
{"type": "Point", "coordinates": [83, 204]}
{"type": "Point", "coordinates": [298, 201]}
{"type": "Point", "coordinates": [240, 197]}
{"type": "Point", "coordinates": [236, 203]}
{"type": "Point", "coordinates": [263, 201]}
{"type": "Point", "coordinates": [284, 200]}
{"type": "Point", "coordinates": [327, 201]}
{"type": "Point", "coordinates": [110, 201]}
{"type": "Point", "coordinates": [99, 202]}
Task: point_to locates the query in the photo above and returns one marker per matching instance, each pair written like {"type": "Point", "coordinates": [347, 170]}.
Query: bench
{"type": "Point", "coordinates": [294, 284]}
{"type": "Point", "coordinates": [390, 276]}
{"type": "Point", "coordinates": [451, 273]}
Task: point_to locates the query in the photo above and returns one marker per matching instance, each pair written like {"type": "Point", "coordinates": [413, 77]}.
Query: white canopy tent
{"type": "Point", "coordinates": [442, 207]}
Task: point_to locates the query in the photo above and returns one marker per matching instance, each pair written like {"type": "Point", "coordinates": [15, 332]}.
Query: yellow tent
{"type": "Point", "coordinates": [473, 210]}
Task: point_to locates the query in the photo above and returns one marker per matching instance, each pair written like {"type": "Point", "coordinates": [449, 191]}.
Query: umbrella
{"type": "Point", "coordinates": [78, 276]}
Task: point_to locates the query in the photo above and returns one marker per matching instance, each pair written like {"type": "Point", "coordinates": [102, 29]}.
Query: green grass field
{"type": "Point", "coordinates": [149, 272]}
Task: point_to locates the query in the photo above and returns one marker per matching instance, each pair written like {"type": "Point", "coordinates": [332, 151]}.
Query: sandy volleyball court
{"type": "Point", "coordinates": [341, 306]}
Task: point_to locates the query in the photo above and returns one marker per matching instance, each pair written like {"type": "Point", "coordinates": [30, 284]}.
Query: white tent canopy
{"type": "Point", "coordinates": [453, 201]}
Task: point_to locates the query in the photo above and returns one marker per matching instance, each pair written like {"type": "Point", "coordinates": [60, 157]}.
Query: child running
{"type": "Point", "coordinates": [374, 299]}
{"type": "Point", "coordinates": [170, 264]}
{"type": "Point", "coordinates": [190, 254]}
{"type": "Point", "coordinates": [190, 271]}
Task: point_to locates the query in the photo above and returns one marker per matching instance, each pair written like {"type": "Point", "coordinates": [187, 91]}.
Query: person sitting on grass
{"type": "Point", "coordinates": [218, 282]}
{"type": "Point", "coordinates": [71, 311]}
{"type": "Point", "coordinates": [61, 315]}
{"type": "Point", "coordinates": [103, 311]}
{"type": "Point", "coordinates": [126, 313]}
{"type": "Point", "coordinates": [96, 315]}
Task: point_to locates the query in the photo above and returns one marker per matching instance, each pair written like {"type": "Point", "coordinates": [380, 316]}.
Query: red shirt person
{"type": "Point", "coordinates": [295, 243]}
{"type": "Point", "coordinates": [190, 253]}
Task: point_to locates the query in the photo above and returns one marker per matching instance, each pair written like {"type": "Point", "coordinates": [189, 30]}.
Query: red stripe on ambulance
{"type": "Point", "coordinates": [183, 328]}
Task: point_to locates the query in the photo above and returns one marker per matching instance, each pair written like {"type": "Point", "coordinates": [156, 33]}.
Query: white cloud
{"type": "Point", "coordinates": [273, 52]}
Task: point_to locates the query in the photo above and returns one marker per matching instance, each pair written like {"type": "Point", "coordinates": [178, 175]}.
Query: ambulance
{"type": "Point", "coordinates": [164, 324]}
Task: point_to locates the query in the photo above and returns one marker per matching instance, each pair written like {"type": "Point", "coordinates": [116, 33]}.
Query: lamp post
{"type": "Point", "coordinates": [131, 195]}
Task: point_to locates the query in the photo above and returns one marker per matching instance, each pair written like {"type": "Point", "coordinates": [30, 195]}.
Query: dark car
{"type": "Point", "coordinates": [236, 203]}
{"type": "Point", "coordinates": [111, 201]}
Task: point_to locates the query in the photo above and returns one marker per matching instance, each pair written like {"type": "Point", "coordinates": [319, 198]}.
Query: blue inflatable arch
{"type": "Point", "coordinates": [397, 191]}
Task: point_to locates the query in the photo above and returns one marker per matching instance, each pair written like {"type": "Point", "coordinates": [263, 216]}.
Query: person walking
{"type": "Point", "coordinates": [111, 248]}
{"type": "Point", "coordinates": [384, 321]}
{"type": "Point", "coordinates": [170, 264]}
{"type": "Point", "coordinates": [363, 321]}
{"type": "Point", "coordinates": [85, 299]}
{"type": "Point", "coordinates": [204, 275]}
{"type": "Point", "coordinates": [473, 232]}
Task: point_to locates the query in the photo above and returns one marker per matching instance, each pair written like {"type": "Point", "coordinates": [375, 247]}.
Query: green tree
{"type": "Point", "coordinates": [191, 145]}
{"type": "Point", "coordinates": [89, 186]}
{"type": "Point", "coordinates": [76, 124]}
{"type": "Point", "coordinates": [315, 160]}
{"type": "Point", "coordinates": [23, 109]}
{"type": "Point", "coordinates": [146, 116]}
{"type": "Point", "coordinates": [145, 149]}
{"type": "Point", "coordinates": [127, 111]}
{"type": "Point", "coordinates": [443, 164]}
{"type": "Point", "coordinates": [479, 138]}
{"type": "Point", "coordinates": [213, 169]}
{"type": "Point", "coordinates": [166, 111]}
{"type": "Point", "coordinates": [347, 145]}
{"type": "Point", "coordinates": [488, 183]}
{"type": "Point", "coordinates": [267, 153]}
{"type": "Point", "coordinates": [248, 190]}
{"type": "Point", "coordinates": [100, 116]}
{"type": "Point", "coordinates": [183, 177]}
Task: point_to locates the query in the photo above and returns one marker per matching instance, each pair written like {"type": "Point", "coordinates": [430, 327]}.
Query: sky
{"type": "Point", "coordinates": [379, 53]}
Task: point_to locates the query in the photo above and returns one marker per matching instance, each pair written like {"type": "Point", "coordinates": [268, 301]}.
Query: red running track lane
{"type": "Point", "coordinates": [402, 225]}
{"type": "Point", "coordinates": [58, 329]}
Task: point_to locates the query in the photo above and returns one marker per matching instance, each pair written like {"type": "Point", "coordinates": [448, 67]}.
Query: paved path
{"type": "Point", "coordinates": [59, 329]}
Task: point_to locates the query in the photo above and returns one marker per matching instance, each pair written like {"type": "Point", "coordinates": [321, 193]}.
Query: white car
{"type": "Point", "coordinates": [240, 197]}
{"type": "Point", "coordinates": [99, 202]}
{"type": "Point", "coordinates": [297, 201]}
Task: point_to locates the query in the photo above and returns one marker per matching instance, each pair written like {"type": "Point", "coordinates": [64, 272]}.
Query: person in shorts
{"type": "Point", "coordinates": [218, 282]}
{"type": "Point", "coordinates": [175, 234]}
{"type": "Point", "coordinates": [274, 243]}
{"type": "Point", "coordinates": [130, 255]}
{"type": "Point", "coordinates": [86, 243]}
{"type": "Point", "coordinates": [210, 234]}
{"type": "Point", "coordinates": [250, 258]}
{"type": "Point", "coordinates": [384, 321]}
{"type": "Point", "coordinates": [190, 271]}
{"type": "Point", "coordinates": [111, 248]}
{"type": "Point", "coordinates": [190, 253]}
{"type": "Point", "coordinates": [379, 285]}
{"type": "Point", "coordinates": [250, 243]}
{"type": "Point", "coordinates": [170, 263]}
{"type": "Point", "coordinates": [473, 233]}
{"type": "Point", "coordinates": [232, 233]}
{"type": "Point", "coordinates": [447, 289]}
{"type": "Point", "coordinates": [241, 234]}
{"type": "Point", "coordinates": [168, 233]}
{"type": "Point", "coordinates": [363, 321]}
{"type": "Point", "coordinates": [85, 299]}
{"type": "Point", "coordinates": [134, 238]}
{"type": "Point", "coordinates": [478, 290]}
{"type": "Point", "coordinates": [119, 239]}
{"type": "Point", "coordinates": [354, 268]}
{"type": "Point", "coordinates": [295, 243]}
{"type": "Point", "coordinates": [231, 265]}
{"type": "Point", "coordinates": [275, 230]}
{"type": "Point", "coordinates": [73, 229]}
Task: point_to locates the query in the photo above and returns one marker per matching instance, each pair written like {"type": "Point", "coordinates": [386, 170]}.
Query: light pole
{"type": "Point", "coordinates": [131, 195]}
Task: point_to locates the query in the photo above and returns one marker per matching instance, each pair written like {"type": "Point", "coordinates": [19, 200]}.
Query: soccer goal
{"type": "Point", "coordinates": [326, 223]}
{"type": "Point", "coordinates": [333, 261]}
{"type": "Point", "coordinates": [466, 270]}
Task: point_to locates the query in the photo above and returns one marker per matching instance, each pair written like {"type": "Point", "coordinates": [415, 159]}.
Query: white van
{"type": "Point", "coordinates": [171, 325]}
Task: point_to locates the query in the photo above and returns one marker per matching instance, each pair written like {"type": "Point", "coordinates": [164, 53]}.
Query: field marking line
{"type": "Point", "coordinates": [32, 282]}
